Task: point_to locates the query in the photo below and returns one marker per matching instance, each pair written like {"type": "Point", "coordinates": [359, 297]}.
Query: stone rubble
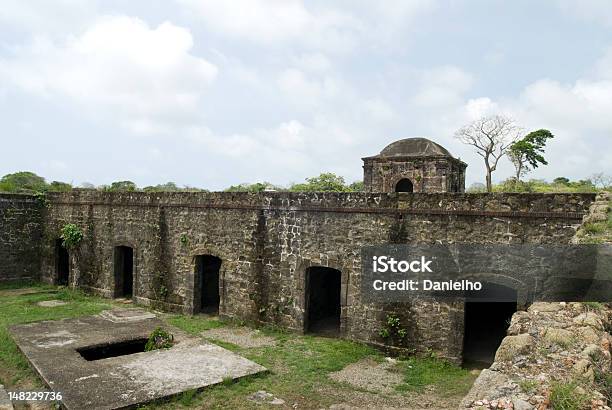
{"type": "Point", "coordinates": [549, 342]}
{"type": "Point", "coordinates": [263, 397]}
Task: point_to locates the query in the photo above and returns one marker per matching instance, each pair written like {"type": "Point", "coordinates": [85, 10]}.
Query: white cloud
{"type": "Point", "coordinates": [379, 109]}
{"type": "Point", "coordinates": [277, 22]}
{"type": "Point", "coordinates": [47, 16]}
{"type": "Point", "coordinates": [577, 113]}
{"type": "Point", "coordinates": [313, 62]}
{"type": "Point", "coordinates": [304, 90]}
{"type": "Point", "coordinates": [480, 107]}
{"type": "Point", "coordinates": [144, 76]}
{"type": "Point", "coordinates": [442, 86]}
{"type": "Point", "coordinates": [339, 27]}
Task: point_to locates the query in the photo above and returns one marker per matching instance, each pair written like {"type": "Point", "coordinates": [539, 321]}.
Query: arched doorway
{"type": "Point", "coordinates": [323, 300]}
{"type": "Point", "coordinates": [62, 263]}
{"type": "Point", "coordinates": [123, 260]}
{"type": "Point", "coordinates": [487, 317]}
{"type": "Point", "coordinates": [404, 185]}
{"type": "Point", "coordinates": [207, 284]}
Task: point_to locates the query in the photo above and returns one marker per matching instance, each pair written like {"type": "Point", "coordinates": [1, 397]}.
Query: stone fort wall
{"type": "Point", "coordinates": [267, 241]}
{"type": "Point", "coordinates": [20, 237]}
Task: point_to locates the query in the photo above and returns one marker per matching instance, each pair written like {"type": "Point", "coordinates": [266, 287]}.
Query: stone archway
{"type": "Point", "coordinates": [487, 316]}
{"type": "Point", "coordinates": [404, 185]}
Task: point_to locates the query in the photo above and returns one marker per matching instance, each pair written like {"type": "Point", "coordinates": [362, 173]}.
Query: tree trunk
{"type": "Point", "coordinates": [519, 169]}
{"type": "Point", "coordinates": [489, 185]}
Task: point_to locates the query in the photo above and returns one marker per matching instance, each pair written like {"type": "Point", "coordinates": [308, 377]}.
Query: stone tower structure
{"type": "Point", "coordinates": [413, 165]}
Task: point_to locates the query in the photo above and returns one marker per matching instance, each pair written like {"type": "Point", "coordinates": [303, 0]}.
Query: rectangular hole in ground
{"type": "Point", "coordinates": [105, 351]}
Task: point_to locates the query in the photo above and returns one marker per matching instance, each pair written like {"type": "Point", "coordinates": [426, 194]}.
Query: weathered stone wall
{"type": "Point", "coordinates": [552, 343]}
{"type": "Point", "coordinates": [20, 237]}
{"type": "Point", "coordinates": [427, 174]}
{"type": "Point", "coordinates": [267, 241]}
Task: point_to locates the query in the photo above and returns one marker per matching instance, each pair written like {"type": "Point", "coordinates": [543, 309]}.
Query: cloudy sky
{"type": "Point", "coordinates": [211, 93]}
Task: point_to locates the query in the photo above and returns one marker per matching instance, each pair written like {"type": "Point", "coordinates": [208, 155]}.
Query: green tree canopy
{"type": "Point", "coordinates": [256, 187]}
{"type": "Point", "coordinates": [325, 182]}
{"type": "Point", "coordinates": [167, 187]}
{"type": "Point", "coordinates": [24, 181]}
{"type": "Point", "coordinates": [122, 186]}
{"type": "Point", "coordinates": [527, 153]}
{"type": "Point", "coordinates": [356, 186]}
{"type": "Point", "coordinates": [58, 186]}
{"type": "Point", "coordinates": [561, 181]}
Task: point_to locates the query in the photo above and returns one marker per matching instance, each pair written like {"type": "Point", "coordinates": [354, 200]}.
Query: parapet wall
{"type": "Point", "coordinates": [20, 237]}
{"type": "Point", "coordinates": [267, 241]}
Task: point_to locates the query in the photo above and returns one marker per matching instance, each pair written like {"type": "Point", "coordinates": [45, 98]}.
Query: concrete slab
{"type": "Point", "coordinates": [5, 403]}
{"type": "Point", "coordinates": [128, 380]}
{"type": "Point", "coordinates": [51, 303]}
{"type": "Point", "coordinates": [126, 315]}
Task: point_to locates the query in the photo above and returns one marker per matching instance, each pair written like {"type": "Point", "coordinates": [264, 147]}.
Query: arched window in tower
{"type": "Point", "coordinates": [404, 185]}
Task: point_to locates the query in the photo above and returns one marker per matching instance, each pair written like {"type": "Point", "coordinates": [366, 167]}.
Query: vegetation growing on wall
{"type": "Point", "coordinates": [71, 236]}
{"type": "Point", "coordinates": [393, 332]}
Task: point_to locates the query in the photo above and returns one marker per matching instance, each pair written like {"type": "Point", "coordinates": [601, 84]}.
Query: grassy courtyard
{"type": "Point", "coordinates": [304, 371]}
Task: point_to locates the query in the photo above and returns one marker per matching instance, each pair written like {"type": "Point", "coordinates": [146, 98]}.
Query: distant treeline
{"type": "Point", "coordinates": [29, 182]}
{"type": "Point", "coordinates": [597, 182]}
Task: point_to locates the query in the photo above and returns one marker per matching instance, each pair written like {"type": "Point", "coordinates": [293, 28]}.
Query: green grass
{"type": "Point", "coordinates": [298, 369]}
{"type": "Point", "coordinates": [299, 366]}
{"type": "Point", "coordinates": [194, 324]}
{"type": "Point", "coordinates": [186, 398]}
{"type": "Point", "coordinates": [593, 305]}
{"type": "Point", "coordinates": [563, 396]}
{"type": "Point", "coordinates": [597, 232]}
{"type": "Point", "coordinates": [528, 386]}
{"type": "Point", "coordinates": [447, 378]}
{"type": "Point", "coordinates": [15, 309]}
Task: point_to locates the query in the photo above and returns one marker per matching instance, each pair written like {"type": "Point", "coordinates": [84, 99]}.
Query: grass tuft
{"type": "Point", "coordinates": [447, 378]}
{"type": "Point", "coordinates": [195, 324]}
{"type": "Point", "coordinates": [563, 396]}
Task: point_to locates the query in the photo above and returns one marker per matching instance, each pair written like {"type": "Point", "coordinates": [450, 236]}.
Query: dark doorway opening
{"type": "Point", "coordinates": [124, 271]}
{"type": "Point", "coordinates": [207, 284]}
{"type": "Point", "coordinates": [486, 323]}
{"type": "Point", "coordinates": [98, 352]}
{"type": "Point", "coordinates": [62, 263]}
{"type": "Point", "coordinates": [404, 185]}
{"type": "Point", "coordinates": [323, 300]}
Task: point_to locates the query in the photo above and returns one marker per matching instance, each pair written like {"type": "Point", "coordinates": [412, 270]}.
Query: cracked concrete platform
{"type": "Point", "coordinates": [122, 381]}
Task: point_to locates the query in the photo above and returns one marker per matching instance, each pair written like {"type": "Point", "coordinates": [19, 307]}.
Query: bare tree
{"type": "Point", "coordinates": [491, 136]}
{"type": "Point", "coordinates": [601, 180]}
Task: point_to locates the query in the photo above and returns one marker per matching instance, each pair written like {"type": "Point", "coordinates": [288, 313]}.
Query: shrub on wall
{"type": "Point", "coordinates": [71, 236]}
{"type": "Point", "coordinates": [393, 332]}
